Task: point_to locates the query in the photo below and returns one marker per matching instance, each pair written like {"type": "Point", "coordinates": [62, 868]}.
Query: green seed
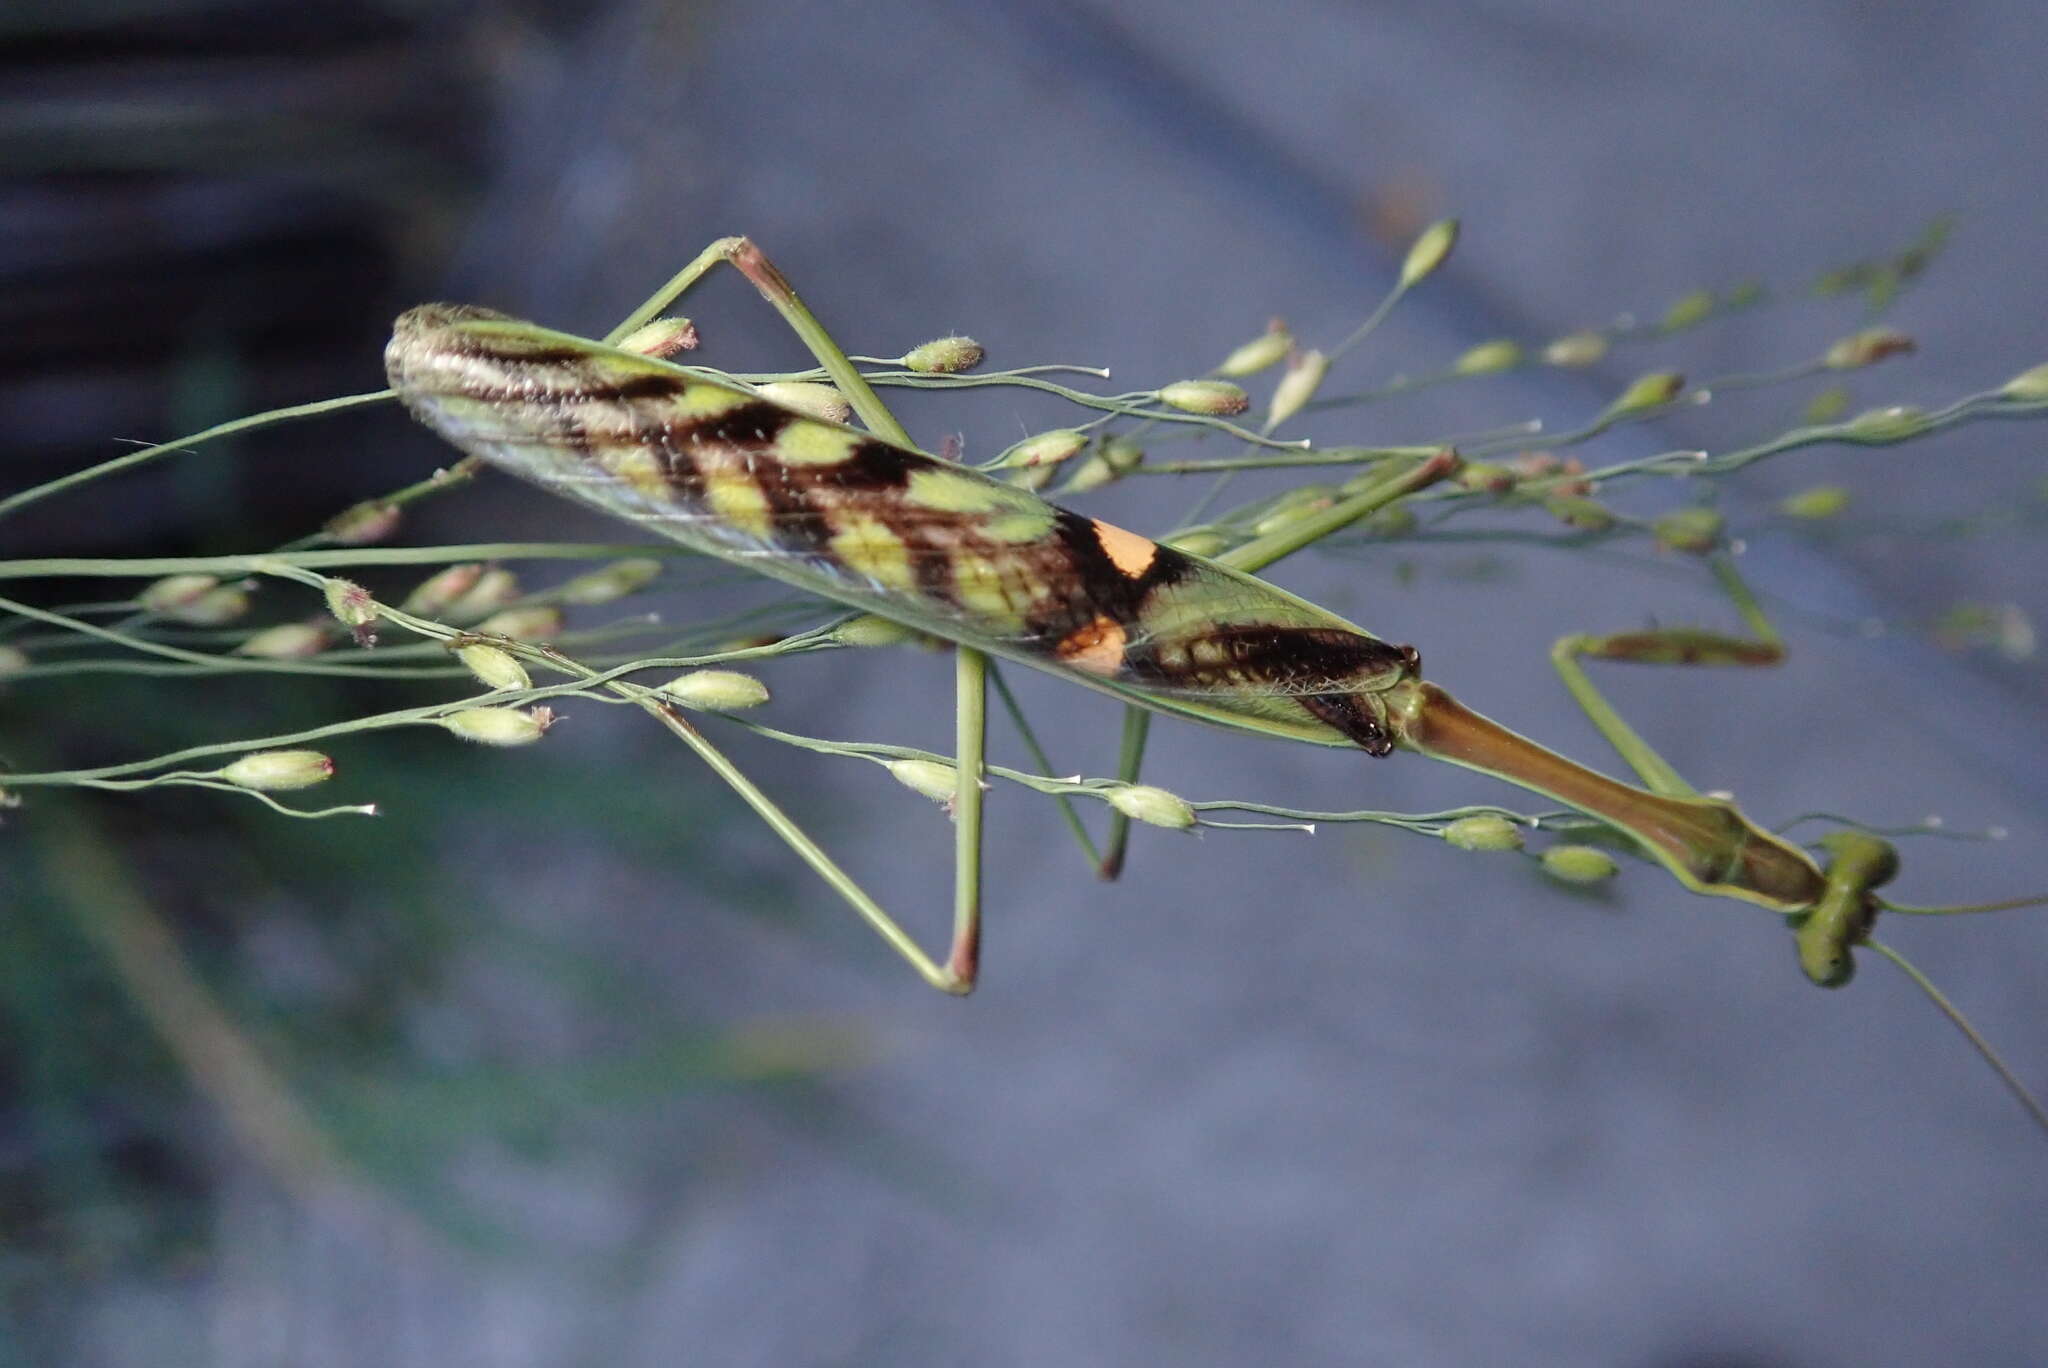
{"type": "Point", "coordinates": [1484, 833]}
{"type": "Point", "coordinates": [1695, 531]}
{"type": "Point", "coordinates": [935, 781]}
{"type": "Point", "coordinates": [1218, 398]}
{"type": "Point", "coordinates": [495, 667]}
{"type": "Point", "coordinates": [1821, 501]}
{"type": "Point", "coordinates": [1576, 349]}
{"type": "Point", "coordinates": [1429, 251]}
{"type": "Point", "coordinates": [716, 690]}
{"type": "Point", "coordinates": [1654, 390]}
{"type": "Point", "coordinates": [286, 641]}
{"type": "Point", "coordinates": [500, 726]}
{"type": "Point", "coordinates": [1267, 349]}
{"type": "Point", "coordinates": [1144, 803]}
{"type": "Point", "coordinates": [1299, 385]}
{"type": "Point", "coordinates": [944, 356]}
{"type": "Point", "coordinates": [1488, 358]}
{"type": "Point", "coordinates": [1687, 310]}
{"type": "Point", "coordinates": [278, 770]}
{"type": "Point", "coordinates": [2028, 384]}
{"type": "Point", "coordinates": [1579, 864]}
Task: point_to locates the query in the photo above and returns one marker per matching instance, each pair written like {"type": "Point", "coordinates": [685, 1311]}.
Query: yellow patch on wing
{"type": "Point", "coordinates": [1127, 551]}
{"type": "Point", "coordinates": [950, 491]}
{"type": "Point", "coordinates": [1097, 647]}
{"type": "Point", "coordinates": [814, 444]}
{"type": "Point", "coordinates": [978, 587]}
{"type": "Point", "coordinates": [707, 401]}
{"type": "Point", "coordinates": [639, 467]}
{"type": "Point", "coordinates": [865, 543]}
{"type": "Point", "coordinates": [738, 501]}
{"type": "Point", "coordinates": [1025, 525]}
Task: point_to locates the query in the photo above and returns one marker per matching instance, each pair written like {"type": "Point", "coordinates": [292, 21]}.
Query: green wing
{"type": "Point", "coordinates": [887, 529]}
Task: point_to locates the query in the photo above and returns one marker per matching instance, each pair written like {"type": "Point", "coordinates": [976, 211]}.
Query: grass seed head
{"type": "Point", "coordinates": [1867, 348]}
{"type": "Point", "coordinates": [364, 524]}
{"type": "Point", "coordinates": [1304, 376]}
{"type": "Point", "coordinates": [2029, 384]}
{"type": "Point", "coordinates": [610, 582]}
{"type": "Point", "coordinates": [1144, 803]}
{"type": "Point", "coordinates": [1574, 350]}
{"type": "Point", "coordinates": [1579, 864]}
{"type": "Point", "coordinates": [434, 594]}
{"type": "Point", "coordinates": [1893, 423]}
{"type": "Point", "coordinates": [1584, 515]}
{"type": "Point", "coordinates": [716, 690]}
{"type": "Point", "coordinates": [1489, 358]}
{"type": "Point", "coordinates": [1694, 531]}
{"type": "Point", "coordinates": [661, 338]}
{"type": "Point", "coordinates": [1687, 310]}
{"type": "Point", "coordinates": [286, 641]}
{"type": "Point", "coordinates": [944, 356]}
{"type": "Point", "coordinates": [1216, 398]}
{"type": "Point", "coordinates": [1429, 251]}
{"type": "Point", "coordinates": [809, 398]}
{"type": "Point", "coordinates": [1654, 390]}
{"type": "Point", "coordinates": [1821, 501]}
{"type": "Point", "coordinates": [500, 726]}
{"type": "Point", "coordinates": [279, 770]}
{"type": "Point", "coordinates": [174, 591]}
{"type": "Point", "coordinates": [494, 667]}
{"type": "Point", "coordinates": [351, 604]}
{"type": "Point", "coordinates": [1045, 448]}
{"type": "Point", "coordinates": [935, 781]}
{"type": "Point", "coordinates": [1267, 349]}
{"type": "Point", "coordinates": [1484, 832]}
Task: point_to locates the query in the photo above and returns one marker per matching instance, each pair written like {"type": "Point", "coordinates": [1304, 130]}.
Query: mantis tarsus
{"type": "Point", "coordinates": [864, 518]}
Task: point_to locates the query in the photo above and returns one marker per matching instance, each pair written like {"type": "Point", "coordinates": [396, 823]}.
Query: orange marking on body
{"type": "Point", "coordinates": [1127, 551]}
{"type": "Point", "coordinates": [1097, 647]}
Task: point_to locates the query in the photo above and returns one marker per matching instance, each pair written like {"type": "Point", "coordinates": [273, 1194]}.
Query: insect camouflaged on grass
{"type": "Point", "coordinates": [865, 519]}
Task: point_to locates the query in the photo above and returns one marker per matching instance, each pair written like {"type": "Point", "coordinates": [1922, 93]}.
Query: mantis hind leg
{"type": "Point", "coordinates": [1667, 646]}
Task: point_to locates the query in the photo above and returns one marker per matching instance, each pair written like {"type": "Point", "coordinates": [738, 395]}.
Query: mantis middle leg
{"type": "Point", "coordinates": [958, 973]}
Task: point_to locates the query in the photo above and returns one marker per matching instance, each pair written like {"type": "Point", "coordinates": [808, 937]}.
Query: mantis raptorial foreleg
{"type": "Point", "coordinates": [1842, 916]}
{"type": "Point", "coordinates": [1664, 646]}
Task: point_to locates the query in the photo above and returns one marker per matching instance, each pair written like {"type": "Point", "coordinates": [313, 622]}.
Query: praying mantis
{"type": "Point", "coordinates": [860, 516]}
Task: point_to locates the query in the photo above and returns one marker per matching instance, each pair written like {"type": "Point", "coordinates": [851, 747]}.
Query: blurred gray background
{"type": "Point", "coordinates": [1353, 1098]}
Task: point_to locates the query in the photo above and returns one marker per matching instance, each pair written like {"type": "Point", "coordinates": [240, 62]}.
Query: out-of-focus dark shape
{"type": "Point", "coordinates": [212, 208]}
